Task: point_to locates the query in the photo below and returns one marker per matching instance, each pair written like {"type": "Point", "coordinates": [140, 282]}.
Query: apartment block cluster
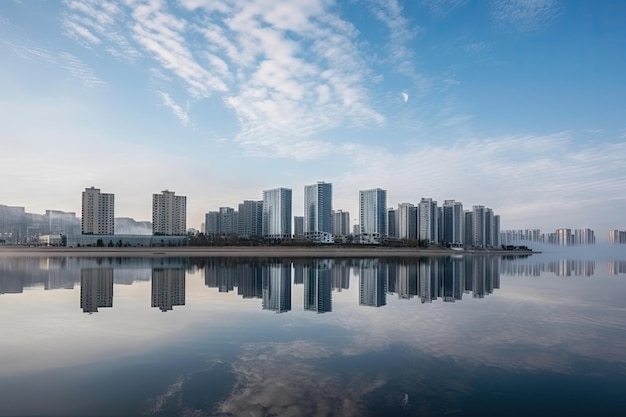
{"type": "Point", "coordinates": [560, 237]}
{"type": "Point", "coordinates": [425, 221]}
{"type": "Point", "coordinates": [616, 237]}
{"type": "Point", "coordinates": [98, 224]}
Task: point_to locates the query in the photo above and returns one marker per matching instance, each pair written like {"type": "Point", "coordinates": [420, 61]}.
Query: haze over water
{"type": "Point", "coordinates": [539, 335]}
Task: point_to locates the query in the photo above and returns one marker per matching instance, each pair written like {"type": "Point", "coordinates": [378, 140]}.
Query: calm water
{"type": "Point", "coordinates": [345, 337]}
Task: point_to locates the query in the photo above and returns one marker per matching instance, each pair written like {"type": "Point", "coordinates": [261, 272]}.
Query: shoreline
{"type": "Point", "coordinates": [247, 251]}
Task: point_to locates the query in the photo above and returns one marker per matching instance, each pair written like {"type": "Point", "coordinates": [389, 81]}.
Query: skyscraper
{"type": "Point", "coordinates": [169, 214]}
{"type": "Point", "coordinates": [318, 202]}
{"type": "Point", "coordinates": [427, 220]}
{"type": "Point", "coordinates": [407, 221]}
{"type": "Point", "coordinates": [277, 213]}
{"type": "Point", "coordinates": [479, 232]}
{"type": "Point", "coordinates": [98, 212]}
{"type": "Point", "coordinates": [452, 222]}
{"type": "Point", "coordinates": [392, 222]}
{"type": "Point", "coordinates": [250, 218]}
{"type": "Point", "coordinates": [373, 212]}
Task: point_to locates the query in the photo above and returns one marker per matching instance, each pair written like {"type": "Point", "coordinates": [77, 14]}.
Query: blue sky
{"type": "Point", "coordinates": [517, 105]}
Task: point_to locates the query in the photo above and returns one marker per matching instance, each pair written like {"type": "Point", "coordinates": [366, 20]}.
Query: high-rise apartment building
{"type": "Point", "coordinates": [428, 220]}
{"type": "Point", "coordinates": [478, 227]}
{"type": "Point", "coordinates": [277, 213]}
{"type": "Point", "coordinates": [373, 212]}
{"type": "Point", "coordinates": [98, 212]}
{"type": "Point", "coordinates": [169, 214]}
{"type": "Point", "coordinates": [407, 221]}
{"type": "Point", "coordinates": [318, 206]}
{"type": "Point", "coordinates": [250, 218]}
{"type": "Point", "coordinates": [564, 237]}
{"type": "Point", "coordinates": [452, 222]}
{"type": "Point", "coordinates": [341, 223]}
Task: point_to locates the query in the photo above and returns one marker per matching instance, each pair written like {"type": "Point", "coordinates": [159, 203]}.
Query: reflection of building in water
{"type": "Point", "coordinates": [569, 267]}
{"type": "Point", "coordinates": [616, 267]}
{"type": "Point", "coordinates": [372, 283]}
{"type": "Point", "coordinates": [317, 287]}
{"type": "Point", "coordinates": [451, 279]}
{"type": "Point", "coordinates": [561, 267]}
{"type": "Point", "coordinates": [340, 275]}
{"type": "Point", "coordinates": [428, 284]}
{"type": "Point", "coordinates": [406, 280]}
{"type": "Point", "coordinates": [225, 275]}
{"type": "Point", "coordinates": [168, 288]}
{"type": "Point", "coordinates": [249, 281]}
{"type": "Point", "coordinates": [298, 271]}
{"type": "Point", "coordinates": [277, 287]}
{"type": "Point", "coordinates": [96, 289]}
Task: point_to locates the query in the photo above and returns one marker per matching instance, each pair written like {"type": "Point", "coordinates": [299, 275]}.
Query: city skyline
{"type": "Point", "coordinates": [518, 106]}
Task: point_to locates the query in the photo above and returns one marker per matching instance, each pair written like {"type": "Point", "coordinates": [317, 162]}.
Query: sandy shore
{"type": "Point", "coordinates": [244, 251]}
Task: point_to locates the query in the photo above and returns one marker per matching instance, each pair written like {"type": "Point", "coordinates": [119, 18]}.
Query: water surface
{"type": "Point", "coordinates": [344, 337]}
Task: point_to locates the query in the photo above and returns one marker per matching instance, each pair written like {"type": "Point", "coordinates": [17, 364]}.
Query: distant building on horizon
{"type": "Point", "coordinates": [616, 237]}
{"type": "Point", "coordinates": [341, 223]}
{"type": "Point", "coordinates": [98, 212]}
{"type": "Point", "coordinates": [298, 226]}
{"type": "Point", "coordinates": [169, 214]}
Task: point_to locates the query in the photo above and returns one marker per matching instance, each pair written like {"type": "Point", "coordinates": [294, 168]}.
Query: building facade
{"type": "Point", "coordinates": [452, 222]}
{"type": "Point", "coordinates": [407, 221]}
{"type": "Point", "coordinates": [373, 212]}
{"type": "Point", "coordinates": [277, 213]}
{"type": "Point", "coordinates": [341, 223]}
{"type": "Point", "coordinates": [318, 207]}
{"type": "Point", "coordinates": [98, 212]}
{"type": "Point", "coordinates": [428, 229]}
{"type": "Point", "coordinates": [169, 214]}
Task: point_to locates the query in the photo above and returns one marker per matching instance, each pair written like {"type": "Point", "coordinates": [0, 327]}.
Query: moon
{"type": "Point", "coordinates": [405, 96]}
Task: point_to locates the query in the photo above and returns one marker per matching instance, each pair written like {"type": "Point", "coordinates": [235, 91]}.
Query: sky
{"type": "Point", "coordinates": [516, 105]}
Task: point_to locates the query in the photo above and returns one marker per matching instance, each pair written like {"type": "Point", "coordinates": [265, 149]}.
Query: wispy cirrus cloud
{"type": "Point", "coordinates": [524, 15]}
{"type": "Point", "coordinates": [178, 111]}
{"type": "Point", "coordinates": [103, 23]}
{"type": "Point", "coordinates": [74, 65]}
{"type": "Point", "coordinates": [80, 70]}
{"type": "Point", "coordinates": [288, 70]}
{"type": "Point", "coordinates": [300, 72]}
{"type": "Point", "coordinates": [442, 7]}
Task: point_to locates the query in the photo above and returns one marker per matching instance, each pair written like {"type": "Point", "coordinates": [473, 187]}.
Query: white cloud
{"type": "Point", "coordinates": [80, 70]}
{"type": "Point", "coordinates": [74, 65]}
{"type": "Point", "coordinates": [518, 176]}
{"type": "Point", "coordinates": [80, 33]}
{"type": "Point", "coordinates": [524, 15]}
{"type": "Point", "coordinates": [288, 70]}
{"type": "Point", "coordinates": [169, 102]}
